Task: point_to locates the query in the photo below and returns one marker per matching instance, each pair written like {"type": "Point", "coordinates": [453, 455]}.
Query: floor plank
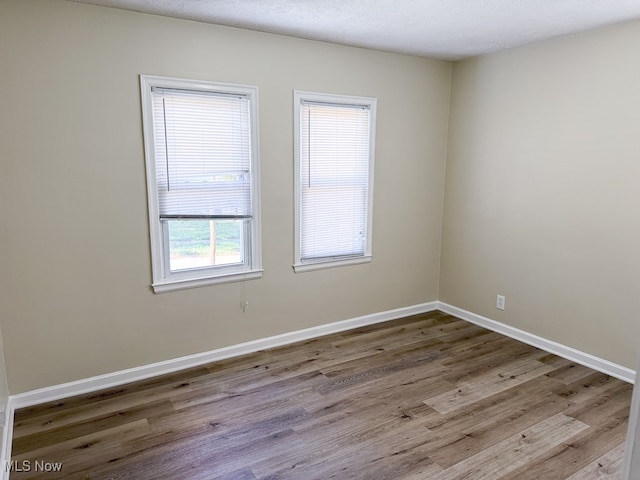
{"type": "Point", "coordinates": [607, 467]}
{"type": "Point", "coordinates": [516, 451]}
{"type": "Point", "coordinates": [494, 381]}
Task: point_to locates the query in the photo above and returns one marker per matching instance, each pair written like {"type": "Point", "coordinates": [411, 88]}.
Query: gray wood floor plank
{"type": "Point", "coordinates": [507, 455]}
{"type": "Point", "coordinates": [607, 467]}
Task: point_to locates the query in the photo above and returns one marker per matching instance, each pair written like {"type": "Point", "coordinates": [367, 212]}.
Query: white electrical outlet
{"type": "Point", "coordinates": [500, 302]}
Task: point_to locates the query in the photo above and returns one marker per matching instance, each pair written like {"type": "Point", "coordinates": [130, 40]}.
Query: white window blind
{"type": "Point", "coordinates": [203, 154]}
{"type": "Point", "coordinates": [334, 162]}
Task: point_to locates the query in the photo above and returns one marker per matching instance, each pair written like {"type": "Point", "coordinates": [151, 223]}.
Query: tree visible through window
{"type": "Point", "coordinates": [203, 243]}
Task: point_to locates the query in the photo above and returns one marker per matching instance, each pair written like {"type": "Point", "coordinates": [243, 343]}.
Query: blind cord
{"type": "Point", "coordinates": [243, 297]}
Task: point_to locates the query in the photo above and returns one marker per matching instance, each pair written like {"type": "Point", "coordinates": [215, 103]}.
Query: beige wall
{"type": "Point", "coordinates": [541, 189]}
{"type": "Point", "coordinates": [74, 284]}
{"type": "Point", "coordinates": [542, 198]}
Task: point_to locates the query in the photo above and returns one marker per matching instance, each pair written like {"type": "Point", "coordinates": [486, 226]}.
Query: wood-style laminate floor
{"type": "Point", "coordinates": [426, 397]}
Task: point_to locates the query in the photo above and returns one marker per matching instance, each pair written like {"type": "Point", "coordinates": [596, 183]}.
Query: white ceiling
{"type": "Point", "coordinates": [447, 29]}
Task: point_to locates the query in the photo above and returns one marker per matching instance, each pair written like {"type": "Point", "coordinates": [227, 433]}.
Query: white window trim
{"type": "Point", "coordinates": [317, 264]}
{"type": "Point", "coordinates": [163, 280]}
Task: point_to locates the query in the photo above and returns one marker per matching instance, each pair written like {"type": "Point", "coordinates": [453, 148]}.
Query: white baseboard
{"type": "Point", "coordinates": [92, 384]}
{"type": "Point", "coordinates": [114, 379]}
{"type": "Point", "coordinates": [586, 359]}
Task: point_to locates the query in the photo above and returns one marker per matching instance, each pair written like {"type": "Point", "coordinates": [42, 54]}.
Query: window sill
{"type": "Point", "coordinates": [319, 265]}
{"type": "Point", "coordinates": [172, 285]}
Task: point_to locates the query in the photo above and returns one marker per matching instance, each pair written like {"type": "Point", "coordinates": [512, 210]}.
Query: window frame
{"type": "Point", "coordinates": [163, 279]}
{"type": "Point", "coordinates": [300, 97]}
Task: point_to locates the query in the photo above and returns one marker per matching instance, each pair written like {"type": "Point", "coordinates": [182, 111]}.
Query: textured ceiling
{"type": "Point", "coordinates": [447, 29]}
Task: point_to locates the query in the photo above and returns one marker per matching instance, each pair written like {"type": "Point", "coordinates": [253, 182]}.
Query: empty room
{"type": "Point", "coordinates": [309, 240]}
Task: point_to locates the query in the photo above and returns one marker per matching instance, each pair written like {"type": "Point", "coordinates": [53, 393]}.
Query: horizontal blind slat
{"type": "Point", "coordinates": [203, 153]}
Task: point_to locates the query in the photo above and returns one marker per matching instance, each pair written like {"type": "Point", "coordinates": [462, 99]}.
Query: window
{"type": "Point", "coordinates": [202, 181]}
{"type": "Point", "coordinates": [334, 146]}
